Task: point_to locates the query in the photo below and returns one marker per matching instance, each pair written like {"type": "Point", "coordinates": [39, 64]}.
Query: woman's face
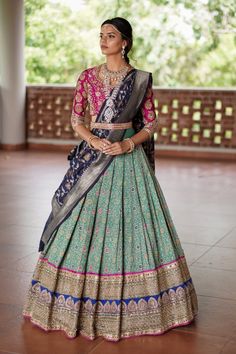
{"type": "Point", "coordinates": [111, 41]}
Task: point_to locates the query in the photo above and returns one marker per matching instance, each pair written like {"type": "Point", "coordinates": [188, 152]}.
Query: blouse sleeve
{"type": "Point", "coordinates": [148, 111]}
{"type": "Point", "coordinates": [79, 101]}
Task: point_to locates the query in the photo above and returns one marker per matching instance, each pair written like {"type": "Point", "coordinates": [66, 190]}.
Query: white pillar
{"type": "Point", "coordinates": [12, 74]}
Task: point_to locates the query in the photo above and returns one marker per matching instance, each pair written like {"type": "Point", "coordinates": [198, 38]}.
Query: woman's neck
{"type": "Point", "coordinates": [114, 63]}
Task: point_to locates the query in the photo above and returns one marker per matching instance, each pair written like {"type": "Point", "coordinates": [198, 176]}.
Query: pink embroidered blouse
{"type": "Point", "coordinates": [90, 92]}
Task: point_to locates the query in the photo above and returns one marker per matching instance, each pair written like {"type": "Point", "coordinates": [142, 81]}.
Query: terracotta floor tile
{"type": "Point", "coordinates": [229, 240]}
{"type": "Point", "coordinates": [218, 258]}
{"type": "Point", "coordinates": [24, 204]}
{"type": "Point", "coordinates": [26, 264]}
{"type": "Point", "coordinates": [14, 286]}
{"type": "Point", "coordinates": [203, 235]}
{"type": "Point", "coordinates": [39, 194]}
{"type": "Point", "coordinates": [222, 207]}
{"type": "Point", "coordinates": [193, 252]}
{"type": "Point", "coordinates": [21, 336]}
{"type": "Point", "coordinates": [229, 348]}
{"type": "Point", "coordinates": [216, 317]}
{"type": "Point", "coordinates": [169, 343]}
{"type": "Point", "coordinates": [214, 282]}
{"type": "Point", "coordinates": [204, 219]}
{"type": "Point", "coordinates": [234, 336]}
{"type": "Point", "coordinates": [175, 198]}
{"type": "Point", "coordinates": [12, 253]}
{"type": "Point", "coordinates": [25, 218]}
{"type": "Point", "coordinates": [20, 235]}
{"type": "Point", "coordinates": [8, 312]}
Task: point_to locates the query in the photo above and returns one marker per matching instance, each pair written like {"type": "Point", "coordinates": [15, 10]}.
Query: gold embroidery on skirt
{"type": "Point", "coordinates": [152, 302]}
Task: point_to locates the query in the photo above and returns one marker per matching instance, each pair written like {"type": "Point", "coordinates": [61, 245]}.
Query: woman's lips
{"type": "Point", "coordinates": [103, 47]}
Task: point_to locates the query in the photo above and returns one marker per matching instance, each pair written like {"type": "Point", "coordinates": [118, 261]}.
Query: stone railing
{"type": "Point", "coordinates": [190, 121]}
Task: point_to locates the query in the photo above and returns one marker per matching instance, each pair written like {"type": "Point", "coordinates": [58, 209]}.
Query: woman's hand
{"type": "Point", "coordinates": [100, 144]}
{"type": "Point", "coordinates": [117, 148]}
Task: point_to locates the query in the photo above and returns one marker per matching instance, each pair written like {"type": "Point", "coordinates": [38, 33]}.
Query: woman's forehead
{"type": "Point", "coordinates": [107, 28]}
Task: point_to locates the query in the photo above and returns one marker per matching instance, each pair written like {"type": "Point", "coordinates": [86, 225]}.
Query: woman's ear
{"type": "Point", "coordinates": [124, 43]}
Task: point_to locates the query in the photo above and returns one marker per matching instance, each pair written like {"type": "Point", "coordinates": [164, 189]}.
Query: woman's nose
{"type": "Point", "coordinates": [103, 40]}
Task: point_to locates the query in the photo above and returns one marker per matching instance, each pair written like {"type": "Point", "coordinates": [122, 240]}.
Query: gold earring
{"type": "Point", "coordinates": [123, 52]}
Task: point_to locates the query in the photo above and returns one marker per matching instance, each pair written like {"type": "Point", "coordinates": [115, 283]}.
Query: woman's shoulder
{"type": "Point", "coordinates": [90, 71]}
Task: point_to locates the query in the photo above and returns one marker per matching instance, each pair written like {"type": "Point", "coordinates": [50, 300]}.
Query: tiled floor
{"type": "Point", "coordinates": [201, 197]}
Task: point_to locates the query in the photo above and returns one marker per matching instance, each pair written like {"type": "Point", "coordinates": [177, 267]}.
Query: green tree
{"type": "Point", "coordinates": [58, 46]}
{"type": "Point", "coordinates": [182, 42]}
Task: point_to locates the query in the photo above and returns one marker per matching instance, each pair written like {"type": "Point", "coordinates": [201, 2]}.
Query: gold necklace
{"type": "Point", "coordinates": [117, 73]}
{"type": "Point", "coordinates": [112, 78]}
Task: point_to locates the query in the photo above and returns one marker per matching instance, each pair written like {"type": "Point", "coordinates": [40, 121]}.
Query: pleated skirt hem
{"type": "Point", "coordinates": [85, 335]}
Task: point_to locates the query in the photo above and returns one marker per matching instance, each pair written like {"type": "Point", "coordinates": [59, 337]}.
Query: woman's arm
{"type": "Point", "coordinates": [79, 105]}
{"type": "Point", "coordinates": [149, 117]}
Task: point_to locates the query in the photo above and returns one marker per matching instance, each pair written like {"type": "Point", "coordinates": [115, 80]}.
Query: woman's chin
{"type": "Point", "coordinates": [104, 50]}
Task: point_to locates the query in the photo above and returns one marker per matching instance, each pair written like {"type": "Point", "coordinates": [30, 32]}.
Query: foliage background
{"type": "Point", "coordinates": [182, 42]}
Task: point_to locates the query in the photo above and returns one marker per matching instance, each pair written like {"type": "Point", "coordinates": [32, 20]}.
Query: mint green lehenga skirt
{"type": "Point", "coordinates": [115, 267]}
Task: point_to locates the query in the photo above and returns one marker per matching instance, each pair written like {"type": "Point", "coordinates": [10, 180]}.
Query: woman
{"type": "Point", "coordinates": [111, 263]}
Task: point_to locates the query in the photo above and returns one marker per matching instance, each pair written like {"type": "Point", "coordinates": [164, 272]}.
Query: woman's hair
{"type": "Point", "coordinates": [124, 27]}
